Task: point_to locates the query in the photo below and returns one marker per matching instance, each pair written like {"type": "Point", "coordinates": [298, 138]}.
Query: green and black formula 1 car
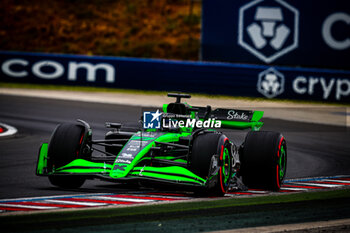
{"type": "Point", "coordinates": [178, 147]}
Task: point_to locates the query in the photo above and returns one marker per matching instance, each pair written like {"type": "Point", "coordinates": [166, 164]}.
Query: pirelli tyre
{"type": "Point", "coordinates": [211, 159]}
{"type": "Point", "coordinates": [264, 160]}
{"type": "Point", "coordinates": [65, 146]}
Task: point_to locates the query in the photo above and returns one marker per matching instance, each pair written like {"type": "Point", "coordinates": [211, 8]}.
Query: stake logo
{"type": "Point", "coordinates": [270, 83]}
{"type": "Point", "coordinates": [152, 120]}
{"type": "Point", "coordinates": [268, 28]}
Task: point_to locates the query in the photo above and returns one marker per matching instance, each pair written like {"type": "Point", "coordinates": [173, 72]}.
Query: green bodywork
{"type": "Point", "coordinates": [123, 171]}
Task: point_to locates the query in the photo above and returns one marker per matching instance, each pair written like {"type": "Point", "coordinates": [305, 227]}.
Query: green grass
{"type": "Point", "coordinates": [161, 93]}
{"type": "Point", "coordinates": [165, 211]}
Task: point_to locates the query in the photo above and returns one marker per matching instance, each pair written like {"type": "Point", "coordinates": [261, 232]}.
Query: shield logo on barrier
{"type": "Point", "coordinates": [270, 83]}
{"type": "Point", "coordinates": [268, 28]}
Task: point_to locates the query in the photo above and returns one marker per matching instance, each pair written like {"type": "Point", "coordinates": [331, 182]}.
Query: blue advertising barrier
{"type": "Point", "coordinates": [165, 75]}
{"type": "Point", "coordinates": [313, 33]}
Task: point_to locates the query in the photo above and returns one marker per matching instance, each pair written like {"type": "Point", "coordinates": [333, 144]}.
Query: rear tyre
{"type": "Point", "coordinates": [206, 149]}
{"type": "Point", "coordinates": [264, 160]}
{"type": "Point", "coordinates": [64, 147]}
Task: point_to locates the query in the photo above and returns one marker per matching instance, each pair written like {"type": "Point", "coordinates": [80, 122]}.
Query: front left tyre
{"type": "Point", "coordinates": [65, 146]}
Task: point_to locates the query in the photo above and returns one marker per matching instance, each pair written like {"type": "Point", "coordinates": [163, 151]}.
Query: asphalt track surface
{"type": "Point", "coordinates": [313, 149]}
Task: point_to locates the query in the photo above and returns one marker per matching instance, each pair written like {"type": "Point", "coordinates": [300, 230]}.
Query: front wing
{"type": "Point", "coordinates": [167, 175]}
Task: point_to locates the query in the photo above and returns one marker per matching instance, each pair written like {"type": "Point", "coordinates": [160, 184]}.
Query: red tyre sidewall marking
{"type": "Point", "coordinates": [80, 141]}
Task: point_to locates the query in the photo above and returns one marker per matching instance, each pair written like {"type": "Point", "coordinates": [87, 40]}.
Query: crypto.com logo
{"type": "Point", "coordinates": [268, 28]}
{"type": "Point", "coordinates": [270, 83]}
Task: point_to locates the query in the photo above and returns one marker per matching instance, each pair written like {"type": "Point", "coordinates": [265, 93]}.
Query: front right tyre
{"type": "Point", "coordinates": [211, 159]}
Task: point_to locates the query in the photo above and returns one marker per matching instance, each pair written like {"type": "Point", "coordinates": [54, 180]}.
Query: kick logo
{"type": "Point", "coordinates": [152, 120]}
{"type": "Point", "coordinates": [271, 83]}
{"type": "Point", "coordinates": [268, 28]}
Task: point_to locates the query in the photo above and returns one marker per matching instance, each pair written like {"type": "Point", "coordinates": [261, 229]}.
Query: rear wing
{"type": "Point", "coordinates": [232, 118]}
